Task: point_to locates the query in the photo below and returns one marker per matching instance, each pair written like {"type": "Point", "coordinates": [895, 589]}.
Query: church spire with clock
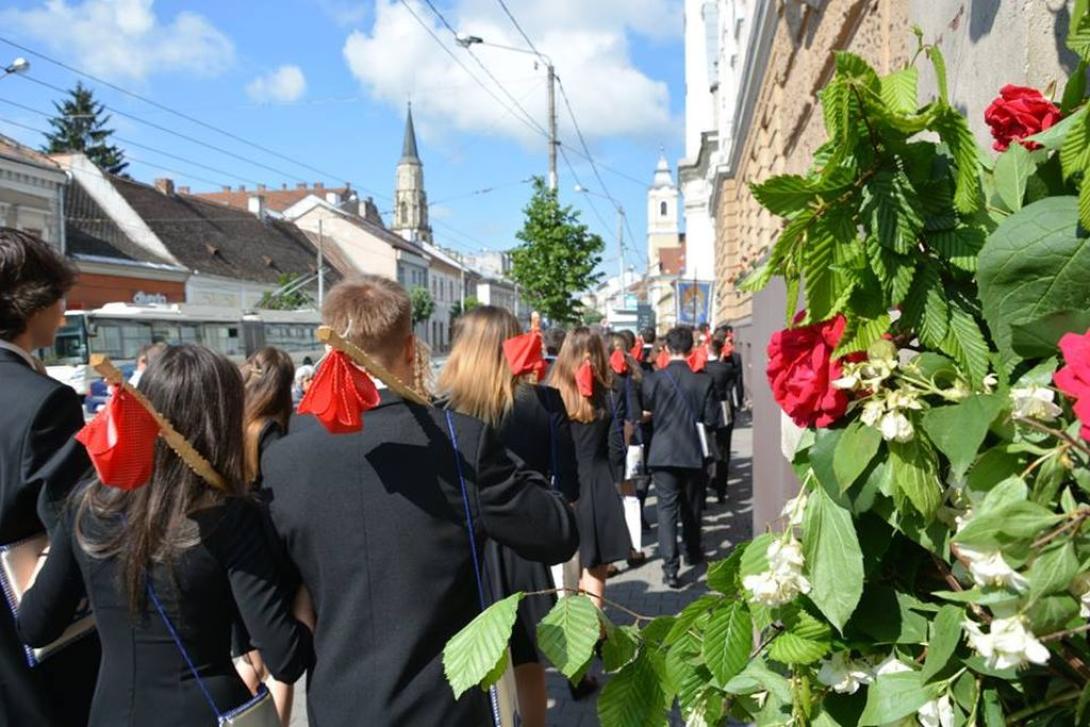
{"type": "Point", "coordinates": [410, 199]}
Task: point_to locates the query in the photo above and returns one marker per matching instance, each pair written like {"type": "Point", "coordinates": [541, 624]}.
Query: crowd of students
{"type": "Point", "coordinates": [187, 584]}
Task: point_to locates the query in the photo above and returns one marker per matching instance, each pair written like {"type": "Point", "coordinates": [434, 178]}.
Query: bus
{"type": "Point", "coordinates": [119, 330]}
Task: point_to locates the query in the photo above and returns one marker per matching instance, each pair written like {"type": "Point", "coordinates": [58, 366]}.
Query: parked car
{"type": "Point", "coordinates": [98, 391]}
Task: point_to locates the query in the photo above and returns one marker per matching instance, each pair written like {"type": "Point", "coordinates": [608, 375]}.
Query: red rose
{"type": "Point", "coordinates": [1074, 378]}
{"type": "Point", "coordinates": [1017, 113]}
{"type": "Point", "coordinates": [801, 370]}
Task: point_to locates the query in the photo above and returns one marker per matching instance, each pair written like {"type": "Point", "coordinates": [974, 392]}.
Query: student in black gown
{"type": "Point", "coordinates": [582, 375]}
{"type": "Point", "coordinates": [479, 380]}
{"type": "Point", "coordinates": [200, 550]}
{"type": "Point", "coordinates": [38, 459]}
{"type": "Point", "coordinates": [267, 375]}
{"type": "Point", "coordinates": [724, 376]}
{"type": "Point", "coordinates": [627, 393]}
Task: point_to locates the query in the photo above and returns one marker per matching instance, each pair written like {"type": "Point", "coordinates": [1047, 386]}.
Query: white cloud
{"type": "Point", "coordinates": [124, 39]}
{"type": "Point", "coordinates": [588, 43]}
{"type": "Point", "coordinates": [284, 85]}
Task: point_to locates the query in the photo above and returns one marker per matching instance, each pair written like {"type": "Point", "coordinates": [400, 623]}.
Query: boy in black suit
{"type": "Point", "coordinates": [40, 462]}
{"type": "Point", "coordinates": [679, 400]}
{"type": "Point", "coordinates": [375, 523]}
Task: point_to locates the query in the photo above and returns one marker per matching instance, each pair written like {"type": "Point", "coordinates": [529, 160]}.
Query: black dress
{"type": "Point", "coordinates": [536, 431]}
{"type": "Point", "coordinates": [143, 678]}
{"type": "Point", "coordinates": [600, 452]}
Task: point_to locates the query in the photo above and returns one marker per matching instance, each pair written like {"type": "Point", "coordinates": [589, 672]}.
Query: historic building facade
{"type": "Point", "coordinates": [410, 199]}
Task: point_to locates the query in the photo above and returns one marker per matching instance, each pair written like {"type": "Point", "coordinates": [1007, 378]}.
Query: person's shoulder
{"type": "Point", "coordinates": [36, 390]}
{"type": "Point", "coordinates": [225, 521]}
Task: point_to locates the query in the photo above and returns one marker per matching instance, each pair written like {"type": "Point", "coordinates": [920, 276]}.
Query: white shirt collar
{"type": "Point", "coordinates": [31, 361]}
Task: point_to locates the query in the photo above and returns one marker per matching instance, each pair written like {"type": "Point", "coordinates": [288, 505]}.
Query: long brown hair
{"type": "Point", "coordinates": [268, 376]}
{"type": "Point", "coordinates": [581, 345]}
{"type": "Point", "coordinates": [619, 342]}
{"type": "Point", "coordinates": [476, 379]}
{"type": "Point", "coordinates": [200, 392]}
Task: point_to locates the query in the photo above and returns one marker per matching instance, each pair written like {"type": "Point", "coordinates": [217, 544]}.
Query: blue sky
{"type": "Point", "coordinates": [325, 83]}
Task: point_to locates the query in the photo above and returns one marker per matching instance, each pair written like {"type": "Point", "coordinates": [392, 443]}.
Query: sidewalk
{"type": "Point", "coordinates": [641, 589]}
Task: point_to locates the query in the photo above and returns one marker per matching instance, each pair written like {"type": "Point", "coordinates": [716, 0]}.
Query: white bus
{"type": "Point", "coordinates": [119, 330]}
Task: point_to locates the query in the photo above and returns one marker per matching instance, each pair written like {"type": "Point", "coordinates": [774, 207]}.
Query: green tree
{"type": "Point", "coordinates": [423, 305]}
{"type": "Point", "coordinates": [457, 309]}
{"type": "Point", "coordinates": [557, 257]}
{"type": "Point", "coordinates": [80, 126]}
{"type": "Point", "coordinates": [592, 317]}
{"type": "Point", "coordinates": [291, 300]}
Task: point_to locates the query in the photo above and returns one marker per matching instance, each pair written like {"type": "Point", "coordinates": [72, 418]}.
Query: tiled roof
{"type": "Point", "coordinates": [14, 150]}
{"type": "Point", "coordinates": [276, 200]}
{"type": "Point", "coordinates": [90, 231]}
{"type": "Point", "coordinates": [212, 239]}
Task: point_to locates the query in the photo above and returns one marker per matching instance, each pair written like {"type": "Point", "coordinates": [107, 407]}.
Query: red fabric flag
{"type": "Point", "coordinates": [120, 441]}
{"type": "Point", "coordinates": [697, 359]}
{"type": "Point", "coordinates": [584, 379]}
{"type": "Point", "coordinates": [663, 359]}
{"type": "Point", "coordinates": [339, 395]}
{"type": "Point", "coordinates": [618, 363]}
{"type": "Point", "coordinates": [523, 354]}
{"type": "Point", "coordinates": [637, 350]}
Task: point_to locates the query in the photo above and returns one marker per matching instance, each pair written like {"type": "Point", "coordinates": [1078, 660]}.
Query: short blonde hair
{"type": "Point", "coordinates": [373, 312]}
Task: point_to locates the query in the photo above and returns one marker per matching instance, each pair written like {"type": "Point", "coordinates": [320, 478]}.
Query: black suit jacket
{"type": "Point", "coordinates": [375, 524]}
{"type": "Point", "coordinates": [536, 431]}
{"type": "Point", "coordinates": [677, 398]}
{"type": "Point", "coordinates": [38, 459]}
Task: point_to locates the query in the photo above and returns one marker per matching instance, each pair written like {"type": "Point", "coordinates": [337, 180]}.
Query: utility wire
{"type": "Point", "coordinates": [518, 27]}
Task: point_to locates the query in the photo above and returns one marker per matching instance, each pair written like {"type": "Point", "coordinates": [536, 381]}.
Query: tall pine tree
{"type": "Point", "coordinates": [557, 257]}
{"type": "Point", "coordinates": [79, 126]}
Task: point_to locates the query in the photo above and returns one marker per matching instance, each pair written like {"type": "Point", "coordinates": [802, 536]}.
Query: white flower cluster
{"type": "Point", "coordinates": [783, 580]}
{"type": "Point", "coordinates": [988, 568]}
{"type": "Point", "coordinates": [1007, 644]}
{"type": "Point", "coordinates": [845, 675]}
{"type": "Point", "coordinates": [886, 412]}
{"type": "Point", "coordinates": [866, 375]}
{"type": "Point", "coordinates": [795, 508]}
{"type": "Point", "coordinates": [1035, 402]}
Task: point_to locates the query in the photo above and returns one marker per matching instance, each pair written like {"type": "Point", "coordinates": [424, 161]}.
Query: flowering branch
{"type": "Point", "coordinates": [1034, 424]}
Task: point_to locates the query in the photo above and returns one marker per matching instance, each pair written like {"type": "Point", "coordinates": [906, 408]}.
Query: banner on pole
{"type": "Point", "coordinates": [694, 299]}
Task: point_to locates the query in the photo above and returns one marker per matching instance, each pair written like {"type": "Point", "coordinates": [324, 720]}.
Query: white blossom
{"type": "Point", "coordinates": [937, 713]}
{"type": "Point", "coordinates": [843, 675]}
{"type": "Point", "coordinates": [873, 409]}
{"type": "Point", "coordinates": [990, 382]}
{"type": "Point", "coordinates": [988, 568]}
{"type": "Point", "coordinates": [903, 399]}
{"type": "Point", "coordinates": [848, 382]}
{"type": "Point", "coordinates": [1035, 402]}
{"type": "Point", "coordinates": [895, 427]}
{"type": "Point", "coordinates": [783, 580]}
{"type": "Point", "coordinates": [1080, 589]}
{"type": "Point", "coordinates": [795, 508]}
{"type": "Point", "coordinates": [890, 665]}
{"type": "Point", "coordinates": [1007, 644]}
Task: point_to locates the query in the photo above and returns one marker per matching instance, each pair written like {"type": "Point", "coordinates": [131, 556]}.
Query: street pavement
{"type": "Point", "coordinates": [641, 589]}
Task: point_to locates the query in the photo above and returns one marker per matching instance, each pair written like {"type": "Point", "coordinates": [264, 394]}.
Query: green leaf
{"type": "Point", "coordinates": [965, 342]}
{"type": "Point", "coordinates": [890, 617]}
{"type": "Point", "coordinates": [723, 575]}
{"type": "Point", "coordinates": [805, 640]}
{"type": "Point", "coordinates": [1084, 205]}
{"type": "Point", "coordinates": [1074, 89]}
{"type": "Point", "coordinates": [945, 637]}
{"type": "Point", "coordinates": [474, 653]}
{"type": "Point", "coordinates": [1053, 570]}
{"type": "Point", "coordinates": [960, 246]}
{"type": "Point", "coordinates": [1033, 264]}
{"type": "Point", "coordinates": [925, 309]}
{"type": "Point", "coordinates": [621, 646]}
{"type": "Point", "coordinates": [568, 633]}
{"type": "Point", "coordinates": [633, 697]}
{"type": "Point", "coordinates": [939, 64]}
{"type": "Point", "coordinates": [1078, 37]}
{"type": "Point", "coordinates": [899, 90]}
{"type": "Point", "coordinates": [896, 218]}
{"type": "Point", "coordinates": [860, 333]}
{"type": "Point", "coordinates": [1053, 137]}
{"type": "Point", "coordinates": [834, 560]}
{"type": "Point", "coordinates": [856, 448]}
{"type": "Point", "coordinates": [757, 677]}
{"type": "Point", "coordinates": [492, 677]}
{"type": "Point", "coordinates": [915, 475]}
{"type": "Point", "coordinates": [1012, 522]}
{"type": "Point", "coordinates": [755, 556]}
{"type": "Point", "coordinates": [955, 132]}
{"type": "Point", "coordinates": [784, 194]}
{"type": "Point", "coordinates": [822, 456]}
{"type": "Point", "coordinates": [1041, 337]}
{"type": "Point", "coordinates": [1052, 613]}
{"type": "Point", "coordinates": [894, 696]}
{"type": "Point", "coordinates": [1013, 169]}
{"type": "Point", "coordinates": [1075, 152]}
{"type": "Point", "coordinates": [728, 639]}
{"type": "Point", "coordinates": [959, 430]}
{"type": "Point", "coordinates": [893, 270]}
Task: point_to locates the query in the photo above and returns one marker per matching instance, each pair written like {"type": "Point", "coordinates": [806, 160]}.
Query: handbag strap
{"type": "Point", "coordinates": [493, 699]}
{"type": "Point", "coordinates": [554, 458]}
{"type": "Point", "coordinates": [181, 647]}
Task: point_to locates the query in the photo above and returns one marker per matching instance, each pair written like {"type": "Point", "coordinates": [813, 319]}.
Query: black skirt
{"type": "Point", "coordinates": [508, 573]}
{"type": "Point", "coordinates": [603, 534]}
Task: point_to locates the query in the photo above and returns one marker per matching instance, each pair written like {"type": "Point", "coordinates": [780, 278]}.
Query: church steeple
{"type": "Point", "coordinates": [410, 199]}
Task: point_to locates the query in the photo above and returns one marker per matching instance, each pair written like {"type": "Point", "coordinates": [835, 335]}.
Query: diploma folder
{"type": "Point", "coordinates": [20, 563]}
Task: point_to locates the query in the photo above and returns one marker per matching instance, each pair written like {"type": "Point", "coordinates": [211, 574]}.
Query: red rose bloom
{"type": "Point", "coordinates": [801, 370]}
{"type": "Point", "coordinates": [1017, 113]}
{"type": "Point", "coordinates": [1074, 378]}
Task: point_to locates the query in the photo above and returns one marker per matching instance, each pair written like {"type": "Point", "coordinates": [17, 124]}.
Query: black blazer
{"type": "Point", "coordinates": [40, 463]}
{"type": "Point", "coordinates": [375, 524]}
{"type": "Point", "coordinates": [677, 398]}
{"type": "Point", "coordinates": [536, 431]}
{"type": "Point", "coordinates": [144, 677]}
{"type": "Point", "coordinates": [734, 379]}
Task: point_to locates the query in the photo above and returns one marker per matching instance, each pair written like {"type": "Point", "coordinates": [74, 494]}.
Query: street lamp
{"type": "Point", "coordinates": [580, 189]}
{"type": "Point", "coordinates": [19, 65]}
{"type": "Point", "coordinates": [465, 40]}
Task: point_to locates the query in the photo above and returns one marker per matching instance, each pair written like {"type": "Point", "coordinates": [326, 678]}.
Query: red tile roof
{"type": "Point", "coordinates": [14, 150]}
{"type": "Point", "coordinates": [276, 200]}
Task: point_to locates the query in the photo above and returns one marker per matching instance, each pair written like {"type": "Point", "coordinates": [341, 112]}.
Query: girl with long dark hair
{"type": "Point", "coordinates": [168, 565]}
